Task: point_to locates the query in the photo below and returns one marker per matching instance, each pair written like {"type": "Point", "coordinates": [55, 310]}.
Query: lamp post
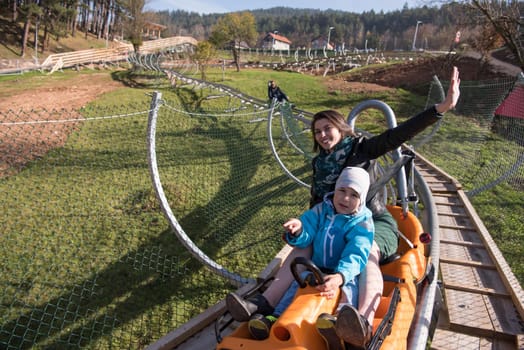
{"type": "Point", "coordinates": [413, 48]}
{"type": "Point", "coordinates": [329, 35]}
{"type": "Point", "coordinates": [273, 45]}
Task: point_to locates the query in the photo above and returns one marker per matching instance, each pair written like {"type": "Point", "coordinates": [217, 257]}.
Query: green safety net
{"type": "Point", "coordinates": [87, 258]}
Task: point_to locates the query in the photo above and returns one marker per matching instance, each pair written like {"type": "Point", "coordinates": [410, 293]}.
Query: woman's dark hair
{"type": "Point", "coordinates": [334, 118]}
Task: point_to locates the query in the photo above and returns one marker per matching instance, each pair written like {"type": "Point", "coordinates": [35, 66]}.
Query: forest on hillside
{"type": "Point", "coordinates": [379, 30]}
{"type": "Point", "coordinates": [483, 25]}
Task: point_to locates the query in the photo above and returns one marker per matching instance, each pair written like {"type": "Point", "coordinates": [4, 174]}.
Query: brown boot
{"type": "Point", "coordinates": [353, 328]}
{"type": "Point", "coordinates": [242, 309]}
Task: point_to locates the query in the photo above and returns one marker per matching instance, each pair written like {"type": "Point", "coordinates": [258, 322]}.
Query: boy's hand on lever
{"type": "Point", "coordinates": [331, 284]}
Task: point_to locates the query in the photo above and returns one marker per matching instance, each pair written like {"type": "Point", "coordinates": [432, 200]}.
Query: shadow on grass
{"type": "Point", "coordinates": [130, 290]}
{"type": "Point", "coordinates": [141, 79]}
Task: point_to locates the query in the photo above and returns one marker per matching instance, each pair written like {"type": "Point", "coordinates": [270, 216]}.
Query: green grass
{"type": "Point", "coordinates": [84, 235]}
{"type": "Point", "coordinates": [309, 92]}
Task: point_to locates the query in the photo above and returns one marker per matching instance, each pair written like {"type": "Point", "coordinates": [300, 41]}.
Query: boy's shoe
{"type": "Point", "coordinates": [353, 328]}
{"type": "Point", "coordinates": [259, 326]}
{"type": "Point", "coordinates": [326, 328]}
{"type": "Point", "coordinates": [242, 309]}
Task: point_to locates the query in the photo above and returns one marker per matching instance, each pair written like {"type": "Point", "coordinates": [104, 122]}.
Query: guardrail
{"type": "Point", "coordinates": [58, 61]}
{"type": "Point", "coordinates": [71, 59]}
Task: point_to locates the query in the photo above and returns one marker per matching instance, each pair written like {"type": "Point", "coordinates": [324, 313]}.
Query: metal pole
{"type": "Point", "coordinates": [273, 44]}
{"type": "Point", "coordinates": [415, 36]}
{"type": "Point", "coordinates": [329, 35]}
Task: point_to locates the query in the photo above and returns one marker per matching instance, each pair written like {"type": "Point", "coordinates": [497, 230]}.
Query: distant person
{"type": "Point", "coordinates": [273, 91]}
{"type": "Point", "coordinates": [340, 230]}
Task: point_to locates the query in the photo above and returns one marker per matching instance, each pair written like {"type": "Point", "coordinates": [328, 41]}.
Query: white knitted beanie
{"type": "Point", "coordinates": [357, 179]}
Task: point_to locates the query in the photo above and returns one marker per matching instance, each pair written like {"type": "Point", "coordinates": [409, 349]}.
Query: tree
{"type": "Point", "coordinates": [484, 40]}
{"type": "Point", "coordinates": [135, 21]}
{"type": "Point", "coordinates": [14, 12]}
{"type": "Point", "coordinates": [232, 30]}
{"type": "Point", "coordinates": [504, 18]}
{"type": "Point", "coordinates": [30, 12]}
{"type": "Point", "coordinates": [203, 54]}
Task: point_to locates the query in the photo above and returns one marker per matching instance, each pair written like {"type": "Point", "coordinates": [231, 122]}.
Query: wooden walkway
{"type": "Point", "coordinates": [481, 306]}
{"type": "Point", "coordinates": [483, 301]}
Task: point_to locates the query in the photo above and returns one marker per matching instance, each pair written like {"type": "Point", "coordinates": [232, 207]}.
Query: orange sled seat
{"type": "Point", "coordinates": [295, 328]}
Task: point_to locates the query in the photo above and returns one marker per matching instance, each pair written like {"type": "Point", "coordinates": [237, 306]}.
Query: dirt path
{"type": "Point", "coordinates": [53, 92]}
{"type": "Point", "coordinates": [415, 75]}
{"type": "Point", "coordinates": [24, 134]}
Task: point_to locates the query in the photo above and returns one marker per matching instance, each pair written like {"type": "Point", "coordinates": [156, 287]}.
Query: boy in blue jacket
{"type": "Point", "coordinates": [341, 230]}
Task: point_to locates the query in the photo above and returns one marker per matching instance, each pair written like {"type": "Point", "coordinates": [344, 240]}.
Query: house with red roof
{"type": "Point", "coordinates": [274, 41]}
{"type": "Point", "coordinates": [509, 115]}
{"type": "Point", "coordinates": [513, 105]}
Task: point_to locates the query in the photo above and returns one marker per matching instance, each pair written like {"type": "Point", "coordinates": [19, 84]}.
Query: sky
{"type": "Point", "coordinates": [223, 6]}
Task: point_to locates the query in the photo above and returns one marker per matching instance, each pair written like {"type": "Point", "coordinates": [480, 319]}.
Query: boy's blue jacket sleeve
{"type": "Point", "coordinates": [310, 225]}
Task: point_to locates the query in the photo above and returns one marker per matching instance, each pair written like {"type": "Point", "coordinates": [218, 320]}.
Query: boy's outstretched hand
{"type": "Point", "coordinates": [453, 93]}
{"type": "Point", "coordinates": [293, 226]}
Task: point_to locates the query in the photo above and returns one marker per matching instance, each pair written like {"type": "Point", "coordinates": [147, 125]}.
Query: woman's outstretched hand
{"type": "Point", "coordinates": [453, 93]}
